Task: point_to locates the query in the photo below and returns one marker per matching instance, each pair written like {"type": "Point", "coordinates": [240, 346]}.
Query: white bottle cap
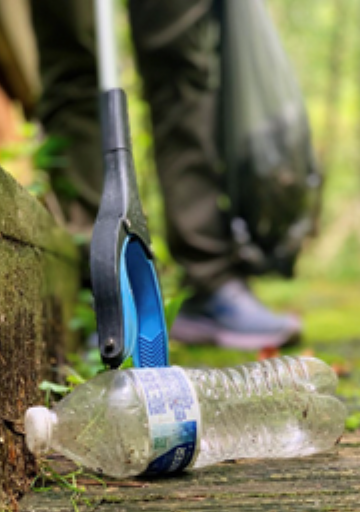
{"type": "Point", "coordinates": [39, 422]}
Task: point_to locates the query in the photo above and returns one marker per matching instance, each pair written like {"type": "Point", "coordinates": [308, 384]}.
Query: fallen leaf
{"type": "Point", "coordinates": [267, 353]}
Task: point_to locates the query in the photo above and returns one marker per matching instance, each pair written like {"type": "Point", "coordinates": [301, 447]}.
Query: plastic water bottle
{"type": "Point", "coordinates": [153, 421]}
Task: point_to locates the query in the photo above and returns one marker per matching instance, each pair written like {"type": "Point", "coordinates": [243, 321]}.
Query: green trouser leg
{"type": "Point", "coordinates": [68, 107]}
{"type": "Point", "coordinates": [176, 49]}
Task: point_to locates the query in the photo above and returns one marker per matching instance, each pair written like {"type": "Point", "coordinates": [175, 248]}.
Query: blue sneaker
{"type": "Point", "coordinates": [232, 317]}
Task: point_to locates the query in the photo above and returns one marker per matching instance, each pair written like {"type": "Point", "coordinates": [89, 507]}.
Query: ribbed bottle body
{"type": "Point", "coordinates": [277, 408]}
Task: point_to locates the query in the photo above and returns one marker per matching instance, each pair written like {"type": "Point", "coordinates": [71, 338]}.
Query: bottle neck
{"type": "Point", "coordinates": [39, 425]}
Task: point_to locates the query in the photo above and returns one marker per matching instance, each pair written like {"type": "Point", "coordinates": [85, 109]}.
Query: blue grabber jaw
{"type": "Point", "coordinates": [144, 325]}
{"type": "Point", "coordinates": [128, 302]}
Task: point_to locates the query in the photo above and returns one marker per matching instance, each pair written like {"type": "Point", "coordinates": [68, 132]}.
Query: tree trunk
{"type": "Point", "coordinates": [38, 283]}
{"type": "Point", "coordinates": [337, 50]}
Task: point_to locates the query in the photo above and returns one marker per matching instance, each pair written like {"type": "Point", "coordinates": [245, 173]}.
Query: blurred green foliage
{"type": "Point", "coordinates": [323, 42]}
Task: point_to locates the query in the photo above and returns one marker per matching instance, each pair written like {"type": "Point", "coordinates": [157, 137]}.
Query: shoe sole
{"type": "Point", "coordinates": [205, 332]}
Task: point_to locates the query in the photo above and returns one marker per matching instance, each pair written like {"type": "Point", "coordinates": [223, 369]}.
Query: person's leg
{"type": "Point", "coordinates": [176, 44]}
{"type": "Point", "coordinates": [68, 106]}
{"type": "Point", "coordinates": [176, 48]}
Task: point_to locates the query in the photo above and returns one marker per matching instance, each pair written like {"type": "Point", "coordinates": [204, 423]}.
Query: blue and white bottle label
{"type": "Point", "coordinates": [173, 415]}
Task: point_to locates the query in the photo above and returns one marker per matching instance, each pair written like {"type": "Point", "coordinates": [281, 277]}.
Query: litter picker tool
{"type": "Point", "coordinates": [128, 302]}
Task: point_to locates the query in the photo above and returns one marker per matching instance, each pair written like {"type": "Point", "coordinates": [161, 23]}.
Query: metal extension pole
{"type": "Point", "coordinates": [106, 44]}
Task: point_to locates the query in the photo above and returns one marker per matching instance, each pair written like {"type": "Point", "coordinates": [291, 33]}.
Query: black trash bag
{"type": "Point", "coordinates": [274, 182]}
